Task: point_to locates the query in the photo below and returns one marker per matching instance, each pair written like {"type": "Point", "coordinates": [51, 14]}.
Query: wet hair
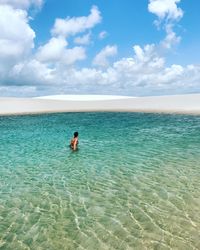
{"type": "Point", "coordinates": [75, 134]}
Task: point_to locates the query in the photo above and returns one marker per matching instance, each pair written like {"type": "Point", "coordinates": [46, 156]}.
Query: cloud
{"type": "Point", "coordinates": [23, 4]}
{"type": "Point", "coordinates": [103, 35]}
{"type": "Point", "coordinates": [74, 25]}
{"type": "Point", "coordinates": [83, 40]}
{"type": "Point", "coordinates": [168, 13]}
{"type": "Point", "coordinates": [101, 59]}
{"type": "Point", "coordinates": [165, 9]}
{"type": "Point", "coordinates": [16, 38]}
{"type": "Point", "coordinates": [171, 38]}
{"type": "Point", "coordinates": [53, 50]}
{"type": "Point", "coordinates": [51, 69]}
{"type": "Point", "coordinates": [17, 90]}
{"type": "Point", "coordinates": [56, 51]}
{"type": "Point", "coordinates": [144, 73]}
{"type": "Point", "coordinates": [70, 56]}
{"type": "Point", "coordinates": [32, 73]}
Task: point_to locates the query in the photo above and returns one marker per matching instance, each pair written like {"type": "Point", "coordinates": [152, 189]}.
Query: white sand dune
{"type": "Point", "coordinates": [186, 104]}
{"type": "Point", "coordinates": [83, 97]}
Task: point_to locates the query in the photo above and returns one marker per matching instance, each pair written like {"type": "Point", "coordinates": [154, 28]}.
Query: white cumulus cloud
{"type": "Point", "coordinates": [22, 4]}
{"type": "Point", "coordinates": [51, 69]}
{"type": "Point", "coordinates": [32, 73]}
{"type": "Point", "coordinates": [83, 40]}
{"type": "Point", "coordinates": [16, 38]}
{"type": "Point", "coordinates": [53, 50]}
{"type": "Point", "coordinates": [74, 25]}
{"type": "Point", "coordinates": [103, 34]}
{"type": "Point", "coordinates": [165, 9]}
{"type": "Point", "coordinates": [56, 51]}
{"type": "Point", "coordinates": [101, 59]}
{"type": "Point", "coordinates": [168, 13]}
{"type": "Point", "coordinates": [143, 73]}
{"type": "Point", "coordinates": [171, 38]}
{"type": "Point", "coordinates": [73, 55]}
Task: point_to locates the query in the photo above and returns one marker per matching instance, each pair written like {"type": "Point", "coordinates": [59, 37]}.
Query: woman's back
{"type": "Point", "coordinates": [74, 141]}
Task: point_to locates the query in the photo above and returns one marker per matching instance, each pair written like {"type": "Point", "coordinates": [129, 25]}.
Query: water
{"type": "Point", "coordinates": [133, 183]}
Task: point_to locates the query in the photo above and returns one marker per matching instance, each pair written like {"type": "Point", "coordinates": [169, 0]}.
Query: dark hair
{"type": "Point", "coordinates": [75, 134]}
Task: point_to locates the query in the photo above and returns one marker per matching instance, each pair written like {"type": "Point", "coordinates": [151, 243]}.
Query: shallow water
{"type": "Point", "coordinates": [133, 183]}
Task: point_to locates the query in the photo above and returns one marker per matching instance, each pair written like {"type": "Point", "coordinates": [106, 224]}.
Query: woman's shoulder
{"type": "Point", "coordinates": [73, 140]}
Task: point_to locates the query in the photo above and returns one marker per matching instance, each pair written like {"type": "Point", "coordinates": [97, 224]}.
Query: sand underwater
{"type": "Point", "coordinates": [133, 183]}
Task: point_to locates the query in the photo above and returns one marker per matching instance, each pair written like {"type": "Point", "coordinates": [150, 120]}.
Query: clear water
{"type": "Point", "coordinates": [134, 183]}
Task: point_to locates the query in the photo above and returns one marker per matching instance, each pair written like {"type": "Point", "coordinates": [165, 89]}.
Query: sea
{"type": "Point", "coordinates": [133, 183]}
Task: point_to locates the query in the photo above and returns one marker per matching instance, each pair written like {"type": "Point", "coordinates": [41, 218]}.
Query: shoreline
{"type": "Point", "coordinates": [166, 112]}
{"type": "Point", "coordinates": [176, 104]}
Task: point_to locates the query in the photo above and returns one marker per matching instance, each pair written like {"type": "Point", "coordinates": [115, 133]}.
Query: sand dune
{"type": "Point", "coordinates": [83, 97]}
{"type": "Point", "coordinates": [188, 104]}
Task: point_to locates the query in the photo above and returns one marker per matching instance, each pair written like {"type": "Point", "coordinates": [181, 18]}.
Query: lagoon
{"type": "Point", "coordinates": [133, 183]}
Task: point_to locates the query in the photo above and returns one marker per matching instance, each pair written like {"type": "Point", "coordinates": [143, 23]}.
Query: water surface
{"type": "Point", "coordinates": [133, 183]}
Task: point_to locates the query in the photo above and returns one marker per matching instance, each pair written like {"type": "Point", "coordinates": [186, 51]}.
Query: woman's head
{"type": "Point", "coordinates": [75, 134]}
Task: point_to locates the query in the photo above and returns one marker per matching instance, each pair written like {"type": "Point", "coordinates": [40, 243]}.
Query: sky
{"type": "Point", "coordinates": [117, 47]}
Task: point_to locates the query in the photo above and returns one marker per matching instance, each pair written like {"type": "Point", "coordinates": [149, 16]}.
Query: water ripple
{"type": "Point", "coordinates": [133, 184]}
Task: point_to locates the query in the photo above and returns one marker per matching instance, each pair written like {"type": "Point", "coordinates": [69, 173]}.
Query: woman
{"type": "Point", "coordinates": [74, 141]}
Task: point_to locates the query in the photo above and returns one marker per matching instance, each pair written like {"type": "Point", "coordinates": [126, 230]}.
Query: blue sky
{"type": "Point", "coordinates": [141, 47]}
{"type": "Point", "coordinates": [120, 21]}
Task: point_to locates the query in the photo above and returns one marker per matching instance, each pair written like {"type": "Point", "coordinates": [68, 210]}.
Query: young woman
{"type": "Point", "coordinates": [74, 141]}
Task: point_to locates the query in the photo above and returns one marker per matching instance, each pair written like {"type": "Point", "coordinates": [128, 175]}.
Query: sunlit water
{"type": "Point", "coordinates": [134, 183]}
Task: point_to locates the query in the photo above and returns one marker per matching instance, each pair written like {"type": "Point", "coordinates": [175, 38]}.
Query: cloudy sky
{"type": "Point", "coordinates": [132, 47]}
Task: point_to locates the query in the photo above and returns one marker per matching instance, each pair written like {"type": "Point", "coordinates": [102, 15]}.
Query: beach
{"type": "Point", "coordinates": [185, 104]}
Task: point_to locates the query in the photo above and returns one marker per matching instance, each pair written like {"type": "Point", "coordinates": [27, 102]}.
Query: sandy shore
{"type": "Point", "coordinates": [186, 104]}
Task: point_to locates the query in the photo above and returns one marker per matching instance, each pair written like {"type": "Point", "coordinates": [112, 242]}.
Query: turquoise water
{"type": "Point", "coordinates": [134, 183]}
